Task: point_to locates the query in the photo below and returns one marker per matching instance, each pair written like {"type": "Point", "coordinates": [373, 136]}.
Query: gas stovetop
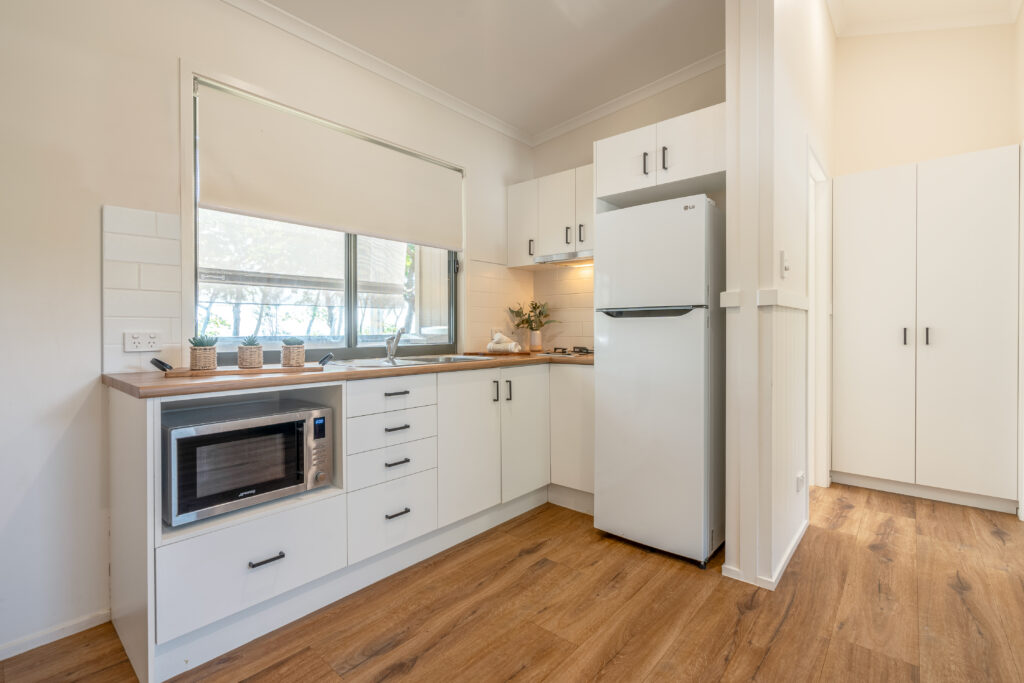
{"type": "Point", "coordinates": [574, 352]}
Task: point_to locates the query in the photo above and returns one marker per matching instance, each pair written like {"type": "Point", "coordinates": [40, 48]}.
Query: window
{"type": "Point", "coordinates": [276, 279]}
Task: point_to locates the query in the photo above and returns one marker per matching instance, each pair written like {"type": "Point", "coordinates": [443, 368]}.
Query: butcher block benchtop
{"type": "Point", "coordinates": [155, 384]}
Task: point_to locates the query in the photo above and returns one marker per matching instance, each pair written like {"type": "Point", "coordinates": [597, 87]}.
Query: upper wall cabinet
{"type": "Point", "coordinates": [687, 150]}
{"type": "Point", "coordinates": [551, 215]}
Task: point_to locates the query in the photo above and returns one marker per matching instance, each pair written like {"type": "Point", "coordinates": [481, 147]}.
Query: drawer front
{"type": "Point", "coordinates": [209, 577]}
{"type": "Point", "coordinates": [369, 396]}
{"type": "Point", "coordinates": [377, 519]}
{"type": "Point", "coordinates": [385, 464]}
{"type": "Point", "coordinates": [371, 432]}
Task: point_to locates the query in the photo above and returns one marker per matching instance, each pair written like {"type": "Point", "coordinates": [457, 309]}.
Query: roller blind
{"type": "Point", "coordinates": [260, 159]}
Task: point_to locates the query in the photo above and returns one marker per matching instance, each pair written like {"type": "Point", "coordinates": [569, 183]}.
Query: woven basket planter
{"type": "Point", "coordinates": [250, 356]}
{"type": "Point", "coordinates": [202, 358]}
{"type": "Point", "coordinates": [293, 356]}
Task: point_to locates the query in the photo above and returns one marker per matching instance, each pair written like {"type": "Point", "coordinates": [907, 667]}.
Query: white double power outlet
{"type": "Point", "coordinates": [142, 341]}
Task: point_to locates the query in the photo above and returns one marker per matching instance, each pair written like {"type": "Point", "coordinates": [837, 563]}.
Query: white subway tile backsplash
{"type": "Point", "coordinates": [117, 247]}
{"type": "Point", "coordinates": [127, 303]}
{"type": "Point", "coordinates": [163, 278]}
{"type": "Point", "coordinates": [118, 219]}
{"type": "Point", "coordinates": [115, 327]}
{"type": "Point", "coordinates": [116, 360]}
{"type": "Point", "coordinates": [120, 275]}
{"type": "Point", "coordinates": [569, 293]}
{"type": "Point", "coordinates": [168, 226]}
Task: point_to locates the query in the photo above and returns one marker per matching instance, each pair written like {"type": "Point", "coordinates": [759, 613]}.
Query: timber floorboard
{"type": "Point", "coordinates": [883, 587]}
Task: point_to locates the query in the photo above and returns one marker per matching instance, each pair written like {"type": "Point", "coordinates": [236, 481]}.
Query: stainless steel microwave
{"type": "Point", "coordinates": [226, 457]}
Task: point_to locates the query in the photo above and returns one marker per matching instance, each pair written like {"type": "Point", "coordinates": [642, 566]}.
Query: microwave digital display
{"type": "Point", "coordinates": [319, 427]}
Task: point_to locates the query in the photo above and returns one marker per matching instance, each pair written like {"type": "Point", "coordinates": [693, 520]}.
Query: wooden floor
{"type": "Point", "coordinates": [882, 588]}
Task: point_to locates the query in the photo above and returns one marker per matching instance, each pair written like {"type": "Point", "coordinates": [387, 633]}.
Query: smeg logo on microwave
{"type": "Point", "coordinates": [250, 492]}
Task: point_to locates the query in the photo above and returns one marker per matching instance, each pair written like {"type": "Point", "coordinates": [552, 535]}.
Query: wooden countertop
{"type": "Point", "coordinates": [154, 384]}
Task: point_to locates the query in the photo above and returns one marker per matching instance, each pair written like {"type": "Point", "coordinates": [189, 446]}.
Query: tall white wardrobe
{"type": "Point", "coordinates": [926, 323]}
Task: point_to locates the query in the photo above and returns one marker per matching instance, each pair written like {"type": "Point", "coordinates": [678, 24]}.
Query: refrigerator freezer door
{"type": "Point", "coordinates": [651, 255]}
{"type": "Point", "coordinates": [650, 388]}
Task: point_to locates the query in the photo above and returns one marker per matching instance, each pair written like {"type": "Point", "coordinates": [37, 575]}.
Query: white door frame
{"type": "Point", "coordinates": [819, 322]}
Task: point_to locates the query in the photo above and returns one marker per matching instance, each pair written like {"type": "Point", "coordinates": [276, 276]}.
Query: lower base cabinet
{"type": "Point", "coordinates": [202, 579]}
{"type": "Point", "coordinates": [525, 433]}
{"type": "Point", "coordinates": [572, 426]}
{"type": "Point", "coordinates": [389, 514]}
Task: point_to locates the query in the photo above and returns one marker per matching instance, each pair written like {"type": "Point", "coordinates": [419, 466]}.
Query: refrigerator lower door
{"type": "Point", "coordinates": [650, 474]}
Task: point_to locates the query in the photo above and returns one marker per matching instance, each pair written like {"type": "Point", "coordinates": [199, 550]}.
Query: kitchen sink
{"type": "Point", "coordinates": [406, 361]}
{"type": "Point", "coordinates": [443, 359]}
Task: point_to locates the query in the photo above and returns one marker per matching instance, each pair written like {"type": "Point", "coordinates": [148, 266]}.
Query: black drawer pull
{"type": "Point", "coordinates": [389, 394]}
{"type": "Point", "coordinates": [497, 390]}
{"type": "Point", "coordinates": [398, 514]}
{"type": "Point", "coordinates": [275, 558]}
{"type": "Point", "coordinates": [568, 234]}
{"type": "Point", "coordinates": [580, 233]}
{"type": "Point", "coordinates": [509, 383]}
{"type": "Point", "coordinates": [645, 163]}
{"type": "Point", "coordinates": [529, 247]}
{"type": "Point", "coordinates": [395, 429]}
{"type": "Point", "coordinates": [664, 158]}
{"type": "Point", "coordinates": [396, 464]}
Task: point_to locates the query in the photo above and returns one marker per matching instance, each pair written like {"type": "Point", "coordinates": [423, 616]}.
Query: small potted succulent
{"type": "Point", "coordinates": [203, 352]}
{"type": "Point", "coordinates": [293, 352]}
{"type": "Point", "coordinates": [533, 320]}
{"type": "Point", "coordinates": [250, 353]}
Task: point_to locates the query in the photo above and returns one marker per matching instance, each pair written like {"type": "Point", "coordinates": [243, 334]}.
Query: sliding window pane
{"type": "Point", "coordinates": [402, 285]}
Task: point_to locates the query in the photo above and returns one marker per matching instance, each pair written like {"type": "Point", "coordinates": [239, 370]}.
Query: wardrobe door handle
{"type": "Point", "coordinates": [581, 232]}
{"type": "Point", "coordinates": [497, 391]}
{"type": "Point", "coordinates": [509, 383]}
{"type": "Point", "coordinates": [530, 248]}
{"type": "Point", "coordinates": [568, 234]}
{"type": "Point", "coordinates": [388, 430]}
{"type": "Point", "coordinates": [275, 558]}
{"type": "Point", "coordinates": [645, 163]}
{"type": "Point", "coordinates": [664, 158]}
{"type": "Point", "coordinates": [398, 514]}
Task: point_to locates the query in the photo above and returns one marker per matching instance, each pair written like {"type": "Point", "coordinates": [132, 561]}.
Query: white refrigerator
{"type": "Point", "coordinates": [659, 362]}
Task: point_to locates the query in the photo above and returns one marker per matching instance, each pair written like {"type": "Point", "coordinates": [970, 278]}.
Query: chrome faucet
{"type": "Point", "coordinates": [391, 344]}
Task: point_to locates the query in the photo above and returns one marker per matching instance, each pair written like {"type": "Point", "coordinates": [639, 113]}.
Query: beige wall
{"type": "Point", "coordinates": [908, 97]}
{"type": "Point", "coordinates": [92, 119]}
{"type": "Point", "coordinates": [1019, 73]}
{"type": "Point", "coordinates": [576, 148]}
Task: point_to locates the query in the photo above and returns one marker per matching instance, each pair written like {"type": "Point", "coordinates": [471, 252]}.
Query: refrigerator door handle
{"type": "Point", "coordinates": [648, 311]}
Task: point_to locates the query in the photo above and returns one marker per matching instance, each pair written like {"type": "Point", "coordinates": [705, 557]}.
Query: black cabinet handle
{"type": "Point", "coordinates": [568, 234]}
{"type": "Point", "coordinates": [664, 158]}
{"type": "Point", "coordinates": [904, 336]}
{"type": "Point", "coordinates": [497, 391]}
{"type": "Point", "coordinates": [581, 232]}
{"type": "Point", "coordinates": [645, 163]}
{"type": "Point", "coordinates": [389, 394]}
{"type": "Point", "coordinates": [275, 558]}
{"type": "Point", "coordinates": [395, 429]}
{"type": "Point", "coordinates": [927, 331]}
{"type": "Point", "coordinates": [396, 464]}
{"type": "Point", "coordinates": [509, 383]}
{"type": "Point", "coordinates": [530, 248]}
{"type": "Point", "coordinates": [398, 514]}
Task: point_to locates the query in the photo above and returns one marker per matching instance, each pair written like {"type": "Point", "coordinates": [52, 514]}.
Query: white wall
{"type": "Point", "coordinates": [1019, 72]}
{"type": "Point", "coordinates": [92, 120]}
{"type": "Point", "coordinates": [908, 97]}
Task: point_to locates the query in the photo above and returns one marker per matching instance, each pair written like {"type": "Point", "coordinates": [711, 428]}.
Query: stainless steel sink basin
{"type": "Point", "coordinates": [442, 359]}
{"type": "Point", "coordinates": [406, 361]}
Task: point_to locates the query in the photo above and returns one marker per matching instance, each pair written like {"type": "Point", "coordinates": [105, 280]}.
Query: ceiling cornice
{"type": "Point", "coordinates": [699, 67]}
{"type": "Point", "coordinates": [275, 16]}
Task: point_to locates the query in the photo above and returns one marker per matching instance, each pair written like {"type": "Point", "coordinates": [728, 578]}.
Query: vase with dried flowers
{"type": "Point", "coordinates": [533, 318]}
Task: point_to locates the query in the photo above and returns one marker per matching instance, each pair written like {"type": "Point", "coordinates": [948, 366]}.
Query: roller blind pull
{"type": "Point", "coordinates": [257, 157]}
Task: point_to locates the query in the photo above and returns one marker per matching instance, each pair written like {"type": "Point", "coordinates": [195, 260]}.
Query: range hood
{"type": "Point", "coordinates": [566, 257]}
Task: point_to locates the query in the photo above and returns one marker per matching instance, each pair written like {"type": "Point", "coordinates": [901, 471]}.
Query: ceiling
{"type": "Point", "coordinates": [538, 66]}
{"type": "Point", "coordinates": [865, 17]}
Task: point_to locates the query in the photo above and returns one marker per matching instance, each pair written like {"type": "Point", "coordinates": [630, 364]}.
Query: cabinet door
{"type": "Point", "coordinates": [525, 431]}
{"type": "Point", "coordinates": [621, 164]}
{"type": "Point", "coordinates": [556, 211]}
{"type": "Point", "coordinates": [572, 426]}
{"type": "Point", "coordinates": [874, 303]}
{"type": "Point", "coordinates": [691, 145]}
{"type": "Point", "coordinates": [468, 443]}
{"type": "Point", "coordinates": [585, 207]}
{"type": "Point", "coordinates": [967, 240]}
{"type": "Point", "coordinates": [522, 223]}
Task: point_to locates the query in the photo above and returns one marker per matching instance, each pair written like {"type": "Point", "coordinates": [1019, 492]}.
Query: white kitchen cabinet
{"type": "Point", "coordinates": [584, 190]}
{"type": "Point", "coordinates": [572, 426]}
{"type": "Point", "coordinates": [394, 462]}
{"type": "Point", "coordinates": [380, 430]}
{"type": "Point", "coordinates": [525, 432]}
{"type": "Point", "coordinates": [522, 223]}
{"type": "Point", "coordinates": [369, 396]}
{"type": "Point", "coordinates": [468, 443]}
{"type": "Point", "coordinates": [926, 323]}
{"type": "Point", "coordinates": [677, 149]}
{"type": "Point", "coordinates": [556, 212]}
{"type": "Point", "coordinates": [626, 161]}
{"type": "Point", "coordinates": [967, 242]}
{"type": "Point", "coordinates": [691, 145]}
{"type": "Point", "coordinates": [874, 326]}
{"type": "Point", "coordinates": [389, 514]}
